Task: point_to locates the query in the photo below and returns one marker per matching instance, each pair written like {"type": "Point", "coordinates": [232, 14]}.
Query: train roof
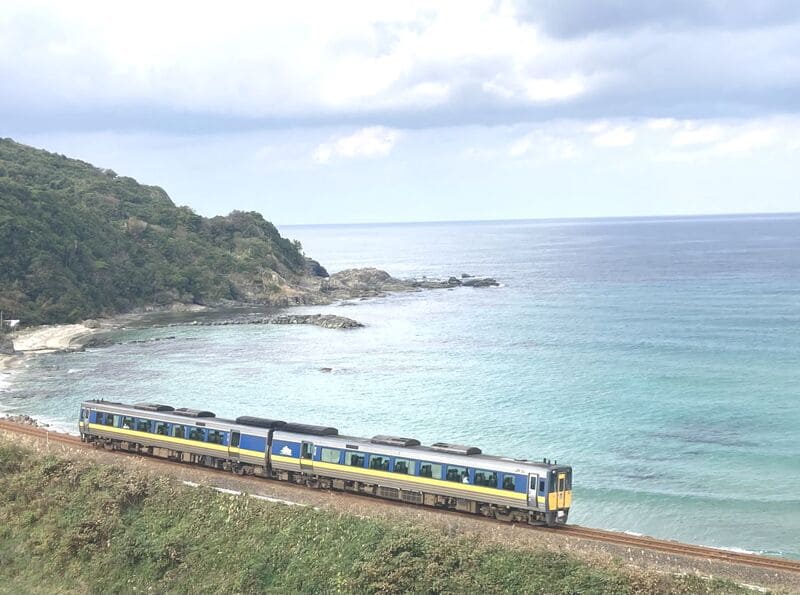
{"type": "Point", "coordinates": [431, 453]}
{"type": "Point", "coordinates": [439, 452]}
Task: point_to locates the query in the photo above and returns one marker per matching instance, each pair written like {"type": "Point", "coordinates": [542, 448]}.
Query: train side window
{"type": "Point", "coordinates": [196, 433]}
{"type": "Point", "coordinates": [486, 478]}
{"type": "Point", "coordinates": [178, 431]}
{"type": "Point", "coordinates": [142, 425]}
{"type": "Point", "coordinates": [403, 466]}
{"type": "Point", "coordinates": [329, 455]}
{"type": "Point", "coordinates": [127, 422]}
{"type": "Point", "coordinates": [117, 421]}
{"type": "Point", "coordinates": [509, 482]}
{"type": "Point", "coordinates": [456, 474]}
{"type": "Point", "coordinates": [215, 437]}
{"type": "Point", "coordinates": [379, 462]}
{"type": "Point", "coordinates": [353, 459]}
{"type": "Point", "coordinates": [541, 486]}
{"type": "Point", "coordinates": [432, 470]}
{"type": "Point", "coordinates": [109, 420]}
{"type": "Point", "coordinates": [161, 428]}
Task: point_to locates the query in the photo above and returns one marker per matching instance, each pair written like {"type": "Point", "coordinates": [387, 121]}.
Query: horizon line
{"type": "Point", "coordinates": [557, 219]}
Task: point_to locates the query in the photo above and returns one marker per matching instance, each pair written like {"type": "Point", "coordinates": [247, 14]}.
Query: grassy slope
{"type": "Point", "coordinates": [72, 526]}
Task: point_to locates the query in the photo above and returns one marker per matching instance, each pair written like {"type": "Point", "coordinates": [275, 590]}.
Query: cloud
{"type": "Point", "coordinates": [621, 136]}
{"type": "Point", "coordinates": [375, 141]}
{"type": "Point", "coordinates": [748, 141]}
{"type": "Point", "coordinates": [97, 65]}
{"type": "Point", "coordinates": [662, 124]}
{"type": "Point", "coordinates": [537, 90]}
{"type": "Point", "coordinates": [697, 135]}
{"type": "Point", "coordinates": [572, 18]}
{"type": "Point", "coordinates": [539, 144]}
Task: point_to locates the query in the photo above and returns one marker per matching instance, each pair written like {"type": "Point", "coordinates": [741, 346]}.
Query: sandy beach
{"type": "Point", "coordinates": [43, 339]}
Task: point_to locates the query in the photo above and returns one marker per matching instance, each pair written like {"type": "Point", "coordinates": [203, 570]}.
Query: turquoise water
{"type": "Point", "coordinates": [659, 357]}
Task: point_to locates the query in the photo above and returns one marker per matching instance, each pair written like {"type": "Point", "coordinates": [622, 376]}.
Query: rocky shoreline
{"type": "Point", "coordinates": [316, 287]}
{"type": "Point", "coordinates": [372, 282]}
{"type": "Point", "coordinates": [24, 420]}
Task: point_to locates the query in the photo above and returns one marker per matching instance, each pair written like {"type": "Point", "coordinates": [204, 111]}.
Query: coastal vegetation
{"type": "Point", "coordinates": [76, 526]}
{"type": "Point", "coordinates": [77, 241]}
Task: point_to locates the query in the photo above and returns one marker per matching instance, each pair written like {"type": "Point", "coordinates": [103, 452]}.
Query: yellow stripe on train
{"type": "Point", "coordinates": [176, 441]}
{"type": "Point", "coordinates": [464, 487]}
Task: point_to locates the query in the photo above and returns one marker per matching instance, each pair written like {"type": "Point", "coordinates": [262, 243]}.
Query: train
{"type": "Point", "coordinates": [442, 475]}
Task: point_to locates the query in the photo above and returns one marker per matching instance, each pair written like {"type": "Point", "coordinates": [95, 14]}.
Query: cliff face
{"type": "Point", "coordinates": [77, 241]}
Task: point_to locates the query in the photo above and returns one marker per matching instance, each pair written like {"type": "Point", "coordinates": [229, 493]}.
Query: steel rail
{"type": "Point", "coordinates": [621, 539]}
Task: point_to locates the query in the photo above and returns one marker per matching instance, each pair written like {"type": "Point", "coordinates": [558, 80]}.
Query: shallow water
{"type": "Point", "coordinates": [659, 357]}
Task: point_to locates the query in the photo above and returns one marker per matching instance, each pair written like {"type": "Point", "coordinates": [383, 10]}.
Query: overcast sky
{"type": "Point", "coordinates": [414, 111]}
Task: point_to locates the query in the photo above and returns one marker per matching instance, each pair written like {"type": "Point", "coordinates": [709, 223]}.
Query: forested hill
{"type": "Point", "coordinates": [77, 242]}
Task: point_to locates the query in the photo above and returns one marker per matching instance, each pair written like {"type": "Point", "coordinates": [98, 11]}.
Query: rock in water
{"type": "Point", "coordinates": [482, 282]}
{"type": "Point", "coordinates": [6, 345]}
{"type": "Point", "coordinates": [323, 320]}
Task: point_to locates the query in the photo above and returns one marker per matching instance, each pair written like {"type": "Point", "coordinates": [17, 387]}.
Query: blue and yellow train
{"type": "Point", "coordinates": [443, 475]}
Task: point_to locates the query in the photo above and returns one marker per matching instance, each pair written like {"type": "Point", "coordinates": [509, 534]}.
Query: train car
{"type": "Point", "coordinates": [442, 475]}
{"type": "Point", "coordinates": [183, 435]}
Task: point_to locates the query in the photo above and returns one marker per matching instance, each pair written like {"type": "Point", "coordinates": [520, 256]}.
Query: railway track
{"type": "Point", "coordinates": [611, 537]}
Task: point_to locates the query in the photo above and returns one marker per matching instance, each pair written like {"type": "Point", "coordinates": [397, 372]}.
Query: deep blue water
{"type": "Point", "coordinates": [659, 357]}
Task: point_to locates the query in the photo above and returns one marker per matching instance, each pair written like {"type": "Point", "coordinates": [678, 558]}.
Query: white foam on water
{"type": "Point", "coordinates": [6, 378]}
{"type": "Point", "coordinates": [735, 550]}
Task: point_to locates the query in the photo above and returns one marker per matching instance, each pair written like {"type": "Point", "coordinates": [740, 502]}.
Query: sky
{"type": "Point", "coordinates": [349, 112]}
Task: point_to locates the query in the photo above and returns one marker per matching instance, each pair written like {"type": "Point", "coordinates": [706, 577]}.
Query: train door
{"type": "Point", "coordinates": [306, 456]}
{"type": "Point", "coordinates": [83, 424]}
{"type": "Point", "coordinates": [532, 487]}
{"type": "Point", "coordinates": [233, 447]}
{"type": "Point", "coordinates": [561, 489]}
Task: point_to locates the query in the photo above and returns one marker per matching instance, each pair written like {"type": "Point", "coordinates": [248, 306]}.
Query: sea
{"type": "Point", "coordinates": [660, 357]}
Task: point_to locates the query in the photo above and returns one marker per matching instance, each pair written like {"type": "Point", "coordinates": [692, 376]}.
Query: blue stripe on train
{"type": "Point", "coordinates": [286, 448]}
{"type": "Point", "coordinates": [248, 442]}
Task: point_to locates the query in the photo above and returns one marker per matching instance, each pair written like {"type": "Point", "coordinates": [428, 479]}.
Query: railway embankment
{"type": "Point", "coordinates": [78, 519]}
